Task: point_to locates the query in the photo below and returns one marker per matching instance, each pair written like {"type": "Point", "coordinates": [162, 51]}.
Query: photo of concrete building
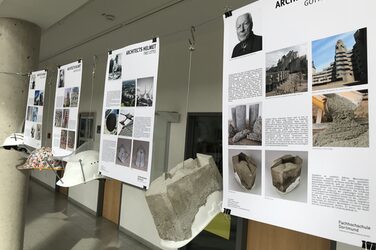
{"type": "Point", "coordinates": [340, 60]}
{"type": "Point", "coordinates": [286, 71]}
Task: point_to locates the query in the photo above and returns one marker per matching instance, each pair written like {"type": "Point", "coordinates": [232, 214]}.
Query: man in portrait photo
{"type": "Point", "coordinates": [248, 41]}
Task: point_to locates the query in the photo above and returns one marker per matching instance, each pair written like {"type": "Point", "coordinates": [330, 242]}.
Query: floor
{"type": "Point", "coordinates": [54, 223]}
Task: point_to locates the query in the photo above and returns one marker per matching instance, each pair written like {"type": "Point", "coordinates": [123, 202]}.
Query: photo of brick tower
{"type": "Point", "coordinates": [340, 60]}
{"type": "Point", "coordinates": [286, 71]}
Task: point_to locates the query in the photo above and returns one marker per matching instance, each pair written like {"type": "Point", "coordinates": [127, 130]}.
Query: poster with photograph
{"type": "Point", "coordinates": [297, 117]}
{"type": "Point", "coordinates": [34, 109]}
{"type": "Point", "coordinates": [67, 100]}
{"type": "Point", "coordinates": [128, 113]}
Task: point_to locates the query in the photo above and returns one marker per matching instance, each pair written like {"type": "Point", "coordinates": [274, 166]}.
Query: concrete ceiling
{"type": "Point", "coordinates": [41, 12]}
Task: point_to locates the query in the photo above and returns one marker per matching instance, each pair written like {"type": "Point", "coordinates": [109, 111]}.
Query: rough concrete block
{"type": "Point", "coordinates": [245, 169]}
{"type": "Point", "coordinates": [175, 199]}
{"type": "Point", "coordinates": [286, 172]}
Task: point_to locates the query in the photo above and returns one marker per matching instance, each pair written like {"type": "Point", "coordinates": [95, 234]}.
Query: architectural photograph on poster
{"type": "Point", "coordinates": [58, 117]}
{"type": "Point", "coordinates": [286, 175]}
{"type": "Point", "coordinates": [114, 69]}
{"type": "Point", "coordinates": [128, 93]}
{"type": "Point", "coordinates": [340, 60]}
{"type": "Point", "coordinates": [145, 92]}
{"type": "Point", "coordinates": [123, 152]}
{"type": "Point", "coordinates": [71, 140]}
{"type": "Point", "coordinates": [126, 122]}
{"type": "Point", "coordinates": [140, 155]}
{"type": "Point", "coordinates": [245, 173]}
{"type": "Point", "coordinates": [340, 119]}
{"type": "Point", "coordinates": [247, 41]}
{"type": "Point", "coordinates": [245, 126]}
{"type": "Point", "coordinates": [111, 117]}
{"type": "Point", "coordinates": [74, 96]}
{"type": "Point", "coordinates": [65, 121]}
{"type": "Point", "coordinates": [63, 139]}
{"type": "Point", "coordinates": [38, 98]}
{"type": "Point", "coordinates": [286, 71]}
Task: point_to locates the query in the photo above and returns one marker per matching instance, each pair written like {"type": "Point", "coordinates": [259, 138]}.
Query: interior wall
{"type": "Point", "coordinates": [342, 246]}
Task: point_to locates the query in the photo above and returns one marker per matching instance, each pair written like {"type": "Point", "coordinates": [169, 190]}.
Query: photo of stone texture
{"type": "Point", "coordinates": [126, 121]}
{"type": "Point", "coordinates": [286, 175]}
{"type": "Point", "coordinates": [58, 118]}
{"type": "Point", "coordinates": [245, 126]}
{"type": "Point", "coordinates": [128, 93]}
{"type": "Point", "coordinates": [145, 92]}
{"type": "Point", "coordinates": [341, 119]}
{"type": "Point", "coordinates": [71, 140]}
{"type": "Point", "coordinates": [340, 60]}
{"type": "Point", "coordinates": [63, 139]}
{"type": "Point", "coordinates": [67, 100]}
{"type": "Point", "coordinates": [123, 152]}
{"type": "Point", "coordinates": [286, 71]}
{"type": "Point", "coordinates": [140, 155]}
{"type": "Point", "coordinates": [111, 117]}
{"type": "Point", "coordinates": [74, 97]}
{"type": "Point", "coordinates": [245, 171]}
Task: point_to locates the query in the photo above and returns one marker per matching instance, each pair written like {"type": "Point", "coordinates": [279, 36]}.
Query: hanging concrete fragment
{"type": "Point", "coordinates": [178, 198]}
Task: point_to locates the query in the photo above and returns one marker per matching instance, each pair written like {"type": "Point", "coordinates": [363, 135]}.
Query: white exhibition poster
{"type": "Point", "coordinates": [128, 113]}
{"type": "Point", "coordinates": [34, 109]}
{"type": "Point", "coordinates": [298, 135]}
{"type": "Point", "coordinates": [67, 102]}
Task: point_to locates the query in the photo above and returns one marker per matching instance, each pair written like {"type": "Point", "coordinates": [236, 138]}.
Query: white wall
{"type": "Point", "coordinates": [86, 194]}
{"type": "Point", "coordinates": [46, 176]}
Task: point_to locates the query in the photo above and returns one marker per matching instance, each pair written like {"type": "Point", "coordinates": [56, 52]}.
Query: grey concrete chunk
{"type": "Point", "coordinates": [174, 201]}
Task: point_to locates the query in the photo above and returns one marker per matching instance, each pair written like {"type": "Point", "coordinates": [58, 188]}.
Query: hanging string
{"type": "Point", "coordinates": [15, 73]}
{"type": "Point", "coordinates": [92, 81]}
{"type": "Point", "coordinates": [49, 85]}
{"type": "Point", "coordinates": [191, 48]}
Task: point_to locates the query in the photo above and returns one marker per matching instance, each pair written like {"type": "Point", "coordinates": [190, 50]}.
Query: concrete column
{"type": "Point", "coordinates": [19, 52]}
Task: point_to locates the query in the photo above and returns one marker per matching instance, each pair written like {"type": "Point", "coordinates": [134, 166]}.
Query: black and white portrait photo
{"type": "Point", "coordinates": [248, 41]}
{"type": "Point", "coordinates": [61, 78]}
{"type": "Point", "coordinates": [114, 71]}
{"type": "Point", "coordinates": [245, 31]}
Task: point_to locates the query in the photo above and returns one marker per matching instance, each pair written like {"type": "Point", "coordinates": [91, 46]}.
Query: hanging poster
{"type": "Point", "coordinates": [298, 135]}
{"type": "Point", "coordinates": [34, 109]}
{"type": "Point", "coordinates": [128, 113]}
{"type": "Point", "coordinates": [67, 101]}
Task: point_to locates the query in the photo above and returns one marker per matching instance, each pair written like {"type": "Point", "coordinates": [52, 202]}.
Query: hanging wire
{"type": "Point", "coordinates": [92, 81]}
{"type": "Point", "coordinates": [15, 73]}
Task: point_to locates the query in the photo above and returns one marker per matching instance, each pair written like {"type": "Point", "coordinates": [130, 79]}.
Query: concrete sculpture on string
{"type": "Point", "coordinates": [244, 170]}
{"type": "Point", "coordinates": [286, 172]}
{"type": "Point", "coordinates": [185, 200]}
